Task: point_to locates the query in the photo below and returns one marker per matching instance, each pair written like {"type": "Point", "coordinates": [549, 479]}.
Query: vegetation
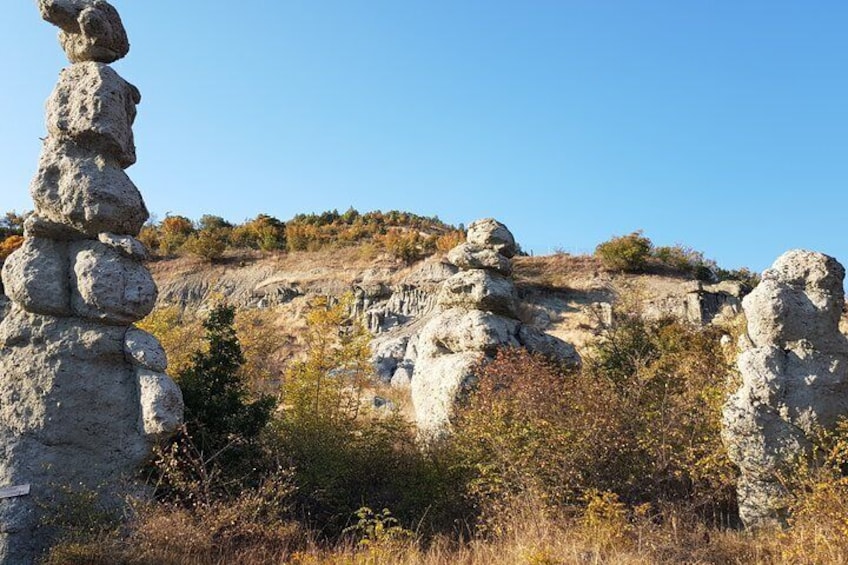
{"type": "Point", "coordinates": [406, 236]}
{"type": "Point", "coordinates": [618, 462]}
{"type": "Point", "coordinates": [636, 253]}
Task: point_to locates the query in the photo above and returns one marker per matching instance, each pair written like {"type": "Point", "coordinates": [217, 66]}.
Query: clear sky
{"type": "Point", "coordinates": [722, 125]}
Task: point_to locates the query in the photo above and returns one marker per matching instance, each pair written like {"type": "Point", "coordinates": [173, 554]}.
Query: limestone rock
{"type": "Point", "coordinates": [69, 417]}
{"type": "Point", "coordinates": [794, 378]}
{"type": "Point", "coordinates": [144, 350]}
{"type": "Point", "coordinates": [800, 297]}
{"type": "Point", "coordinates": [88, 194]}
{"type": "Point", "coordinates": [36, 277]}
{"type": "Point", "coordinates": [95, 108]}
{"type": "Point", "coordinates": [537, 341]}
{"type": "Point", "coordinates": [386, 357]}
{"type": "Point", "coordinates": [461, 331]}
{"type": "Point", "coordinates": [479, 289]}
{"type": "Point", "coordinates": [126, 245]}
{"type": "Point", "coordinates": [468, 256]}
{"type": "Point", "coordinates": [491, 233]}
{"type": "Point", "coordinates": [435, 391]}
{"type": "Point", "coordinates": [91, 30]}
{"type": "Point", "coordinates": [161, 404]}
{"type": "Point", "coordinates": [109, 287]}
{"type": "Point", "coordinates": [402, 378]}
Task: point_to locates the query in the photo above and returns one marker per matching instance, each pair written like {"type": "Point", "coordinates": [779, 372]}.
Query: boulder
{"type": "Point", "coordinates": [493, 234]}
{"type": "Point", "coordinates": [479, 290]}
{"type": "Point", "coordinates": [36, 277]}
{"type": "Point", "coordinates": [85, 194]}
{"type": "Point", "coordinates": [537, 341]}
{"type": "Point", "coordinates": [109, 287]}
{"type": "Point", "coordinates": [90, 30]}
{"type": "Point", "coordinates": [794, 379]}
{"type": "Point", "coordinates": [93, 107]}
{"type": "Point", "coordinates": [436, 388]}
{"type": "Point", "coordinates": [161, 404]}
{"type": "Point", "coordinates": [462, 331]}
{"type": "Point", "coordinates": [387, 355]}
{"type": "Point", "coordinates": [69, 421]}
{"type": "Point", "coordinates": [144, 350]}
{"type": "Point", "coordinates": [469, 256]}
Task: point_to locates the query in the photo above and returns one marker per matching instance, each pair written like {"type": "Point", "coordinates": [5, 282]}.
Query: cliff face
{"type": "Point", "coordinates": [568, 297]}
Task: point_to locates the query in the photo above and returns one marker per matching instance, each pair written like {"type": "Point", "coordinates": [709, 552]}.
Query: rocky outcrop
{"type": "Point", "coordinates": [83, 395]}
{"type": "Point", "coordinates": [476, 313]}
{"type": "Point", "coordinates": [794, 378]}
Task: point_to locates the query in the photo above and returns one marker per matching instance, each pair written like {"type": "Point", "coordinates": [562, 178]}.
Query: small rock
{"type": "Point", "coordinates": [144, 350]}
{"type": "Point", "coordinates": [469, 256]}
{"type": "Point", "coordinates": [161, 404]}
{"type": "Point", "coordinates": [91, 30]}
{"type": "Point", "coordinates": [491, 233]}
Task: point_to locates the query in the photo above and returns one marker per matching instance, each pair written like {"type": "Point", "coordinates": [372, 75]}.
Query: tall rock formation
{"type": "Point", "coordinates": [794, 378]}
{"type": "Point", "coordinates": [83, 394]}
{"type": "Point", "coordinates": [476, 314]}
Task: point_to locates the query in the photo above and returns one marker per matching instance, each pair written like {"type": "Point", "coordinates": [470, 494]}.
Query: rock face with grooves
{"type": "Point", "coordinates": [83, 395]}
{"type": "Point", "coordinates": [794, 378]}
{"type": "Point", "coordinates": [476, 314]}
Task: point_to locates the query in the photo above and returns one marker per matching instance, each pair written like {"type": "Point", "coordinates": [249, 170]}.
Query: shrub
{"type": "Point", "coordinates": [625, 253]}
{"type": "Point", "coordinates": [641, 420]}
{"type": "Point", "coordinates": [344, 454]}
{"type": "Point", "coordinates": [9, 246]}
{"type": "Point", "coordinates": [208, 244]}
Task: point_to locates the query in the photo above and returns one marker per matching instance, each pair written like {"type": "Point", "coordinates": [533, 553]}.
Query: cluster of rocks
{"type": "Point", "coordinates": [476, 313]}
{"type": "Point", "coordinates": [794, 370]}
{"type": "Point", "coordinates": [83, 395]}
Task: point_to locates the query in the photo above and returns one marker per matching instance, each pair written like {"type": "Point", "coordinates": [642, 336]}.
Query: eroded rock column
{"type": "Point", "coordinates": [83, 395]}
{"type": "Point", "coordinates": [794, 378]}
{"type": "Point", "coordinates": [476, 316]}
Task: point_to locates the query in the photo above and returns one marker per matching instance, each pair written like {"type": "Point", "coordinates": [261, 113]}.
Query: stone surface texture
{"type": "Point", "coordinates": [475, 315]}
{"type": "Point", "coordinates": [90, 30]}
{"type": "Point", "coordinates": [83, 395]}
{"type": "Point", "coordinates": [794, 373]}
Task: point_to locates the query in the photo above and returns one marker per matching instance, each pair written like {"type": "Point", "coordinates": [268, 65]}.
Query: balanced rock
{"type": "Point", "coordinates": [469, 256]}
{"type": "Point", "coordinates": [83, 396]}
{"type": "Point", "coordinates": [476, 315]}
{"type": "Point", "coordinates": [94, 107]}
{"type": "Point", "coordinates": [493, 234]}
{"type": "Point", "coordinates": [90, 30]}
{"type": "Point", "coordinates": [794, 379]}
{"type": "Point", "coordinates": [108, 286]}
{"type": "Point", "coordinates": [479, 289]}
{"type": "Point", "coordinates": [85, 194]}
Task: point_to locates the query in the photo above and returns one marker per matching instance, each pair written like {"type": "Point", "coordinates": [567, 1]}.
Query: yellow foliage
{"type": "Point", "coordinates": [9, 246]}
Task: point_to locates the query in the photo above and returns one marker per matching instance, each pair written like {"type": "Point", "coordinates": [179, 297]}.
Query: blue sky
{"type": "Point", "coordinates": [720, 125]}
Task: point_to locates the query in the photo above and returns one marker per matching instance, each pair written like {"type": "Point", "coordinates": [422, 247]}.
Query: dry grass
{"type": "Point", "coordinates": [171, 536]}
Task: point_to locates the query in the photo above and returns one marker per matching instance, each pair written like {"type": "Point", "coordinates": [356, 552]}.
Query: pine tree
{"type": "Point", "coordinates": [217, 407]}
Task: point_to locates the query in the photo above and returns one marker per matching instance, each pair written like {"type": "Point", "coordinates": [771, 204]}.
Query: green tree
{"type": "Point", "coordinates": [219, 414]}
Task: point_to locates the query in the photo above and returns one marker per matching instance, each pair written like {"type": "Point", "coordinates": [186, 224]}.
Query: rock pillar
{"type": "Point", "coordinates": [83, 394]}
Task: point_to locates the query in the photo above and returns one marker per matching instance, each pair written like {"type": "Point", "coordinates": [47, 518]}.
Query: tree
{"type": "Point", "coordinates": [217, 409]}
